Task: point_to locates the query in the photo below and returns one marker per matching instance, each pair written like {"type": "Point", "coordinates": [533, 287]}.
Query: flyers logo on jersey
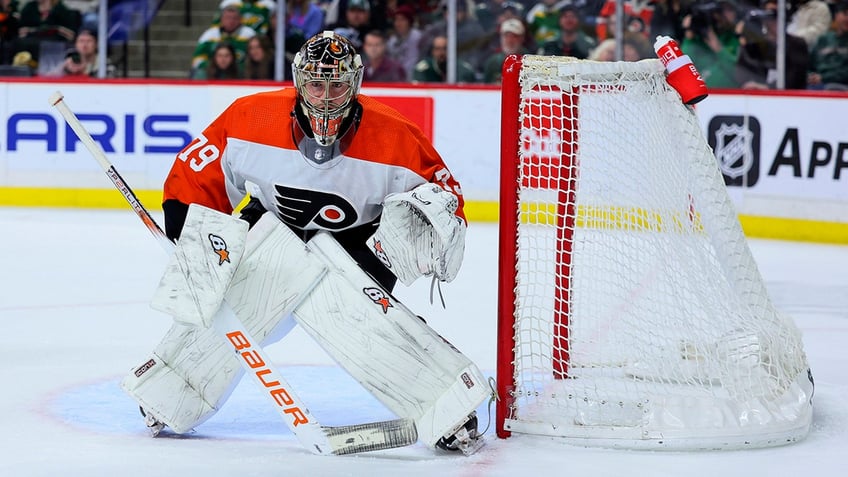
{"type": "Point", "coordinates": [379, 297]}
{"type": "Point", "coordinates": [301, 208]}
{"type": "Point", "coordinates": [219, 246]}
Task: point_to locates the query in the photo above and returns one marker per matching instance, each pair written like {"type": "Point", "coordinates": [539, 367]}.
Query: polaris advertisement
{"type": "Point", "coordinates": [783, 155]}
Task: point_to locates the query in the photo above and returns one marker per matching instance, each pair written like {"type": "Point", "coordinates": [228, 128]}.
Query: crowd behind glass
{"type": "Point", "coordinates": [733, 43]}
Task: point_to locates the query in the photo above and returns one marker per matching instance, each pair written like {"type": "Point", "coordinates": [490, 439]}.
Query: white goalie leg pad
{"type": "Point", "coordinates": [420, 234]}
{"type": "Point", "coordinates": [398, 358]}
{"type": "Point", "coordinates": [277, 274]}
{"type": "Point", "coordinates": [182, 383]}
{"type": "Point", "coordinates": [202, 265]}
{"type": "Point", "coordinates": [192, 371]}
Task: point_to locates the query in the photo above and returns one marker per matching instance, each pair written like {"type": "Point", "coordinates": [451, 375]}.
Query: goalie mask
{"type": "Point", "coordinates": [327, 74]}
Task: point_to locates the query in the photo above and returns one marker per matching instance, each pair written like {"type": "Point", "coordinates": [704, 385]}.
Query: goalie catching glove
{"type": "Point", "coordinates": [420, 234]}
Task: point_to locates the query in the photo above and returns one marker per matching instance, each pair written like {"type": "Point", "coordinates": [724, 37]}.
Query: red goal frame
{"type": "Point", "coordinates": [559, 174]}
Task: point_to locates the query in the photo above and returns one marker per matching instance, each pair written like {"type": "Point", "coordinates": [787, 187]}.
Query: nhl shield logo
{"type": "Point", "coordinates": [735, 140]}
{"type": "Point", "coordinates": [733, 150]}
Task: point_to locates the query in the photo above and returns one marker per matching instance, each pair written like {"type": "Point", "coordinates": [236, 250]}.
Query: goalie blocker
{"type": "Point", "coordinates": [400, 360]}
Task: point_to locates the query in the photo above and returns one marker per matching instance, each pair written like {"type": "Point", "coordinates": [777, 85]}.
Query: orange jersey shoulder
{"type": "Point", "coordinates": [384, 136]}
{"type": "Point", "coordinates": [263, 118]}
{"type": "Point", "coordinates": [197, 175]}
{"type": "Point", "coordinates": [387, 137]}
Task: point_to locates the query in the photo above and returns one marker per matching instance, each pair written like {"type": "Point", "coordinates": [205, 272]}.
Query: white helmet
{"type": "Point", "coordinates": [327, 73]}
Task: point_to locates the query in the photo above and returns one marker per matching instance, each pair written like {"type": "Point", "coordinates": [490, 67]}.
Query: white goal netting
{"type": "Point", "coordinates": [632, 311]}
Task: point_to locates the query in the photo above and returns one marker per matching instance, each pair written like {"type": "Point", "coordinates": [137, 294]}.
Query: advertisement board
{"type": "Point", "coordinates": [784, 155]}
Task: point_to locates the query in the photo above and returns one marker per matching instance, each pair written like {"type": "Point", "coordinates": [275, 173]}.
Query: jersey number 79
{"type": "Point", "coordinates": [199, 153]}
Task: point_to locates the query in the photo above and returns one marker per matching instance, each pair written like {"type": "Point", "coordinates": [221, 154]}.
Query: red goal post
{"type": "Point", "coordinates": [631, 312]}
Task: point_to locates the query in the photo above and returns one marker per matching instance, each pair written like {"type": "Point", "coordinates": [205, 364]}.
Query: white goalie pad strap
{"type": "Point", "coordinates": [398, 358]}
{"type": "Point", "coordinates": [420, 234]}
{"type": "Point", "coordinates": [193, 371]}
{"type": "Point", "coordinates": [200, 270]}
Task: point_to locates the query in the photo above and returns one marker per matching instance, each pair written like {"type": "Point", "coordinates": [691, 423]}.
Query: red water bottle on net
{"type": "Point", "coordinates": [682, 75]}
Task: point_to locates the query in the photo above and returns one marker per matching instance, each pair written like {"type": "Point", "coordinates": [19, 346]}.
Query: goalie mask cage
{"type": "Point", "coordinates": [631, 311]}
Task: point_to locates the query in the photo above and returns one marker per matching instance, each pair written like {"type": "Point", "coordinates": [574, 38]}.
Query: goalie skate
{"type": "Point", "coordinates": [467, 439]}
{"type": "Point", "coordinates": [153, 424]}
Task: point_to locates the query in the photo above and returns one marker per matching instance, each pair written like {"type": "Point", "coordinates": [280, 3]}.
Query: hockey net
{"type": "Point", "coordinates": [631, 311]}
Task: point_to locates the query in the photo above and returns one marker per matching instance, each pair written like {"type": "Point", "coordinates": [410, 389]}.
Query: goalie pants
{"type": "Point", "coordinates": [353, 240]}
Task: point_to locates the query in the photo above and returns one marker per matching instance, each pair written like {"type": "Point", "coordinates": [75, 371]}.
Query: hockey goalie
{"type": "Point", "coordinates": [346, 198]}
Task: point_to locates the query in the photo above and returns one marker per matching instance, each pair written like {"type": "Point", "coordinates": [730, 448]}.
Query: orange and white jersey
{"type": "Point", "coordinates": [250, 148]}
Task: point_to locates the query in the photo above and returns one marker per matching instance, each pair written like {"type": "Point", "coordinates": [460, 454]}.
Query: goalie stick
{"type": "Point", "coordinates": [317, 438]}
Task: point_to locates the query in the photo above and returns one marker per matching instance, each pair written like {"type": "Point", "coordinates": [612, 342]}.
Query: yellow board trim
{"type": "Point", "coordinates": [82, 198]}
{"type": "Point", "coordinates": [795, 229]}
{"type": "Point", "coordinates": [476, 211]}
{"type": "Point", "coordinates": [799, 230]}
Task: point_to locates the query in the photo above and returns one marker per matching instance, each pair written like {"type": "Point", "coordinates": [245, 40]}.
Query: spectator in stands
{"type": "Point", "coordinates": [81, 60]}
{"type": "Point", "coordinates": [222, 65]}
{"type": "Point", "coordinates": [46, 20]}
{"type": "Point", "coordinates": [636, 25]}
{"type": "Point", "coordinates": [605, 26]}
{"type": "Point", "coordinates": [511, 9]}
{"type": "Point", "coordinates": [637, 47]}
{"type": "Point", "coordinates": [591, 9]}
{"type": "Point", "coordinates": [379, 13]}
{"type": "Point", "coordinates": [810, 20]}
{"type": "Point", "coordinates": [605, 51]}
{"type": "Point", "coordinates": [512, 33]}
{"type": "Point", "coordinates": [255, 14]}
{"type": "Point", "coordinates": [756, 67]}
{"type": "Point", "coordinates": [506, 11]}
{"type": "Point", "coordinates": [471, 39]}
{"type": "Point", "coordinates": [433, 68]}
{"type": "Point", "coordinates": [667, 19]}
{"type": "Point", "coordinates": [305, 20]}
{"type": "Point", "coordinates": [230, 29]}
{"type": "Point", "coordinates": [49, 20]}
{"type": "Point", "coordinates": [379, 67]}
{"type": "Point", "coordinates": [259, 62]}
{"type": "Point", "coordinates": [543, 21]}
{"type": "Point", "coordinates": [426, 11]}
{"type": "Point", "coordinates": [633, 49]}
{"type": "Point", "coordinates": [829, 57]}
{"type": "Point", "coordinates": [403, 43]}
{"type": "Point", "coordinates": [712, 43]}
{"type": "Point", "coordinates": [9, 17]}
{"type": "Point", "coordinates": [572, 41]}
{"type": "Point", "coordinates": [357, 22]}
{"type": "Point", "coordinates": [485, 14]}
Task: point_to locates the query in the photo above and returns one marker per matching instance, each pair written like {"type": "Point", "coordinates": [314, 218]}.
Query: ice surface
{"type": "Point", "coordinates": [74, 308]}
